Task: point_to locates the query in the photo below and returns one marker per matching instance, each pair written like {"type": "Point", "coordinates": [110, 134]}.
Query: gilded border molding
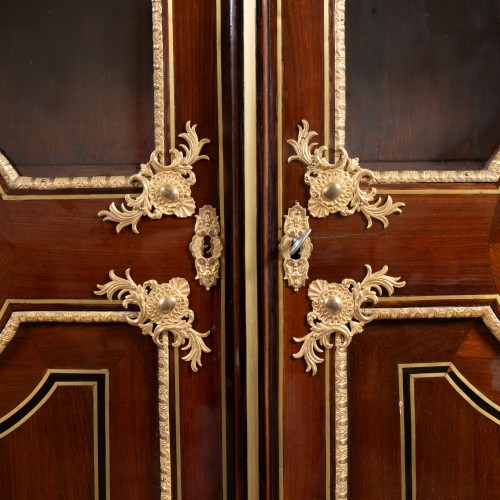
{"type": "Point", "coordinates": [206, 246]}
{"type": "Point", "coordinates": [16, 181]}
{"type": "Point", "coordinates": [337, 309]}
{"type": "Point", "coordinates": [340, 73]}
{"type": "Point", "coordinates": [158, 77]}
{"type": "Point", "coordinates": [437, 176]}
{"type": "Point", "coordinates": [295, 269]}
{"type": "Point", "coordinates": [485, 313]}
{"type": "Point", "coordinates": [163, 308]}
{"type": "Point", "coordinates": [337, 187]}
{"type": "Point", "coordinates": [164, 422]}
{"type": "Point", "coordinates": [165, 188]}
{"type": "Point", "coordinates": [19, 317]}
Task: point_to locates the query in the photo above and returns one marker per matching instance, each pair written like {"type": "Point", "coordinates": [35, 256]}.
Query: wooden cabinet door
{"type": "Point", "coordinates": [97, 401]}
{"type": "Point", "coordinates": [398, 398]}
{"type": "Point", "coordinates": [401, 399]}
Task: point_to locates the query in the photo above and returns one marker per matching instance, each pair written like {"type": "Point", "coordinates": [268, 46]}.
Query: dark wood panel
{"type": "Point", "coordinates": [92, 100]}
{"type": "Point", "coordinates": [60, 445]}
{"type": "Point", "coordinates": [452, 464]}
{"type": "Point", "coordinates": [196, 99]}
{"type": "Point", "coordinates": [303, 424]}
{"type": "Point", "coordinates": [133, 405]}
{"type": "Point", "coordinates": [47, 243]}
{"type": "Point", "coordinates": [422, 82]}
{"type": "Point", "coordinates": [438, 245]}
{"type": "Point", "coordinates": [374, 414]}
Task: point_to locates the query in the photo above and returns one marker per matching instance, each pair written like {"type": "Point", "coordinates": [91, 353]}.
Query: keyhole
{"type": "Point", "coordinates": [207, 247]}
{"type": "Point", "coordinates": [296, 255]}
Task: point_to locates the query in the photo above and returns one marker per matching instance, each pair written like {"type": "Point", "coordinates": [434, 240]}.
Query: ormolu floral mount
{"type": "Point", "coordinates": [337, 310]}
{"type": "Point", "coordinates": [163, 308]}
{"type": "Point", "coordinates": [165, 188]}
{"type": "Point", "coordinates": [337, 187]}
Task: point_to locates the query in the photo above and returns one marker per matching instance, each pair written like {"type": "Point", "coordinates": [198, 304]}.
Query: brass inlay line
{"type": "Point", "coordinates": [326, 133]}
{"type": "Point", "coordinates": [251, 281]}
{"type": "Point", "coordinates": [178, 437]}
{"type": "Point", "coordinates": [220, 131]}
{"type": "Point", "coordinates": [171, 72]}
{"type": "Point", "coordinates": [443, 191]}
{"type": "Point", "coordinates": [281, 341]}
{"type": "Point", "coordinates": [447, 298]}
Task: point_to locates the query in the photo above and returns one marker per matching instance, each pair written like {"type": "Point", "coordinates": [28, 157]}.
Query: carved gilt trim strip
{"type": "Point", "coordinates": [164, 421]}
{"type": "Point", "coordinates": [341, 423]}
{"type": "Point", "coordinates": [16, 181]}
{"type": "Point", "coordinates": [158, 77]}
{"type": "Point", "coordinates": [18, 317]}
{"type": "Point", "coordinates": [486, 313]}
{"type": "Point", "coordinates": [427, 176]}
{"type": "Point", "coordinates": [340, 73]}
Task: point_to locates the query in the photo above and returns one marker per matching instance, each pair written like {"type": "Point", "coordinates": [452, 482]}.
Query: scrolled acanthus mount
{"type": "Point", "coordinates": [166, 189]}
{"type": "Point", "coordinates": [336, 188]}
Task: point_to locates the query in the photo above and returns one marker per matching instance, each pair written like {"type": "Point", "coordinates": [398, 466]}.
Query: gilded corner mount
{"type": "Point", "coordinates": [337, 309]}
{"type": "Point", "coordinates": [163, 308]}
{"type": "Point", "coordinates": [166, 189]}
{"type": "Point", "coordinates": [337, 187]}
{"type": "Point", "coordinates": [295, 267]}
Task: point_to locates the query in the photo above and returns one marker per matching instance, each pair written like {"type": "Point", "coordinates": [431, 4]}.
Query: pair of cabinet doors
{"type": "Point", "coordinates": [170, 328]}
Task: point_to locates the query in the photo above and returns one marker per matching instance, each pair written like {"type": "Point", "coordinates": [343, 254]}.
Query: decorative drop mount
{"type": "Point", "coordinates": [337, 187]}
{"type": "Point", "coordinates": [165, 188]}
{"type": "Point", "coordinates": [163, 308]}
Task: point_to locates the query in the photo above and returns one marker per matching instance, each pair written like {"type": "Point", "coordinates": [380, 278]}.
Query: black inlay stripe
{"type": "Point", "coordinates": [52, 379]}
{"type": "Point", "coordinates": [474, 396]}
